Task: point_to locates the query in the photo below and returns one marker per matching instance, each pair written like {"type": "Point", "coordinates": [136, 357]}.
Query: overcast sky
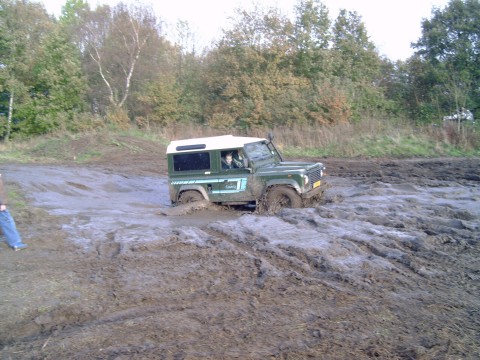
{"type": "Point", "coordinates": [391, 25]}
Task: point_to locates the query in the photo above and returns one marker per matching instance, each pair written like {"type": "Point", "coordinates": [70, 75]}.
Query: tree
{"type": "Point", "coordinates": [312, 38]}
{"type": "Point", "coordinates": [60, 85]}
{"type": "Point", "coordinates": [450, 45]}
{"type": "Point", "coordinates": [357, 64]}
{"type": "Point", "coordinates": [114, 41]}
{"type": "Point", "coordinates": [357, 58]}
{"type": "Point", "coordinates": [24, 25]}
{"type": "Point", "coordinates": [189, 73]}
{"type": "Point", "coordinates": [72, 12]}
{"type": "Point", "coordinates": [40, 73]}
{"type": "Point", "coordinates": [161, 101]}
{"type": "Point", "coordinates": [249, 72]}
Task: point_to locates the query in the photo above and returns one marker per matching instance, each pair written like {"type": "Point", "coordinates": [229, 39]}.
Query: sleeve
{"type": "Point", "coordinates": [3, 194]}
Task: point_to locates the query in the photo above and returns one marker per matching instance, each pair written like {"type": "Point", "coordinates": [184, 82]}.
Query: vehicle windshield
{"type": "Point", "coordinates": [259, 151]}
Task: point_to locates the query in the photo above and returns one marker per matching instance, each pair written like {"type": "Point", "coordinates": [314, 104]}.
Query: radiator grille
{"type": "Point", "coordinates": [314, 175]}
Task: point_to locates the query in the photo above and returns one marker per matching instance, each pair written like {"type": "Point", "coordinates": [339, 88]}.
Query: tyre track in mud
{"type": "Point", "coordinates": [75, 326]}
{"type": "Point", "coordinates": [140, 313]}
{"type": "Point", "coordinates": [213, 292]}
{"type": "Point", "coordinates": [409, 259]}
{"type": "Point", "coordinates": [278, 262]}
{"type": "Point", "coordinates": [447, 251]}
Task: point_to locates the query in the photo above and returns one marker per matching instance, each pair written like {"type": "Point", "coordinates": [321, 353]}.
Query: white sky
{"type": "Point", "coordinates": [391, 25]}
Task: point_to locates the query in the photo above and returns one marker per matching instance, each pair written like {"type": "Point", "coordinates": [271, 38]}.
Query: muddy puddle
{"type": "Point", "coordinates": [106, 206]}
{"type": "Point", "coordinates": [387, 267]}
{"type": "Point", "coordinates": [102, 205]}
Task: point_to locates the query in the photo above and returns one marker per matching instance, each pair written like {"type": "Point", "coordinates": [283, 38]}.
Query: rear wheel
{"type": "Point", "coordinates": [282, 197]}
{"type": "Point", "coordinates": [190, 196]}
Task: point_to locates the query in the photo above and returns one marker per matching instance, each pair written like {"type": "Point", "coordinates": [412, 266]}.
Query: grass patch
{"type": "Point", "coordinates": [383, 146]}
{"type": "Point", "coordinates": [374, 139]}
{"type": "Point", "coordinates": [87, 156]}
{"type": "Point", "coordinates": [15, 155]}
{"type": "Point", "coordinates": [79, 148]}
{"type": "Point", "coordinates": [409, 146]}
{"type": "Point", "coordinates": [51, 148]}
{"type": "Point", "coordinates": [370, 138]}
{"type": "Point", "coordinates": [16, 198]}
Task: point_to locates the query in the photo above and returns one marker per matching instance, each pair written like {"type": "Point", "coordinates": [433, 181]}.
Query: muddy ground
{"type": "Point", "coordinates": [387, 267]}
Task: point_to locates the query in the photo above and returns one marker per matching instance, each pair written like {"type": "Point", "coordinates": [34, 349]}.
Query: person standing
{"type": "Point", "coordinates": [7, 223]}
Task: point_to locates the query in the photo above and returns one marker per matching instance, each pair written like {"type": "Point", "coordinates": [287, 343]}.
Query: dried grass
{"type": "Point", "coordinates": [369, 137]}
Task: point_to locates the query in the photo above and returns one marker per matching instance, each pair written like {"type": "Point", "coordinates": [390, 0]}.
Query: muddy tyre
{"type": "Point", "coordinates": [190, 196]}
{"type": "Point", "coordinates": [282, 197]}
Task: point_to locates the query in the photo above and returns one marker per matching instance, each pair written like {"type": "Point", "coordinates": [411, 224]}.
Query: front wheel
{"type": "Point", "coordinates": [190, 196]}
{"type": "Point", "coordinates": [282, 197]}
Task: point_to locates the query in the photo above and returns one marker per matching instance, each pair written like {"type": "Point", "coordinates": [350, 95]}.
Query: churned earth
{"type": "Point", "coordinates": [387, 266]}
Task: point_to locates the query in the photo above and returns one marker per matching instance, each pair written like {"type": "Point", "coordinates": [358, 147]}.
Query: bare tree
{"type": "Point", "coordinates": [114, 39]}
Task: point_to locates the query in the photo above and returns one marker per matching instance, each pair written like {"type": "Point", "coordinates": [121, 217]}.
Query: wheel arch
{"type": "Point", "coordinates": [282, 182]}
{"type": "Point", "coordinates": [198, 188]}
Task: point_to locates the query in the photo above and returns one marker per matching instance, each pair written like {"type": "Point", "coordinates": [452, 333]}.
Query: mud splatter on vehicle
{"type": "Point", "coordinates": [233, 170]}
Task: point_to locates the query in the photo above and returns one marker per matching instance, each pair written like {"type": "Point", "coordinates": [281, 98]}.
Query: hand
{"type": "Point", "coordinates": [3, 207]}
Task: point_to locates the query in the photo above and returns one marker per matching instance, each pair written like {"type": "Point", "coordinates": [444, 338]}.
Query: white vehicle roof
{"type": "Point", "coordinates": [210, 143]}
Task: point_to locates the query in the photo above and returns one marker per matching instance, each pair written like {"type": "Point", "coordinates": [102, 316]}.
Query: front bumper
{"type": "Point", "coordinates": [318, 190]}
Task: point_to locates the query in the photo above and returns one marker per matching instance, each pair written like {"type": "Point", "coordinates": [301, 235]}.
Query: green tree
{"type": "Point", "coordinates": [248, 73]}
{"type": "Point", "coordinates": [189, 72]}
{"type": "Point", "coordinates": [161, 101]}
{"type": "Point", "coordinates": [394, 82]}
{"type": "Point", "coordinates": [72, 12]}
{"type": "Point", "coordinates": [60, 85]}
{"type": "Point", "coordinates": [40, 72]}
{"type": "Point", "coordinates": [24, 27]}
{"type": "Point", "coordinates": [356, 56]}
{"type": "Point", "coordinates": [357, 64]}
{"type": "Point", "coordinates": [450, 48]}
{"type": "Point", "coordinates": [312, 38]}
{"type": "Point", "coordinates": [173, 92]}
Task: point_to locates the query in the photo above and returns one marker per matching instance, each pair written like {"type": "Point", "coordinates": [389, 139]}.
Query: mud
{"type": "Point", "coordinates": [386, 266]}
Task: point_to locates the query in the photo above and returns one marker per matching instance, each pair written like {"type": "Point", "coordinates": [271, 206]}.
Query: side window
{"type": "Point", "coordinates": [232, 159]}
{"type": "Point", "coordinates": [194, 161]}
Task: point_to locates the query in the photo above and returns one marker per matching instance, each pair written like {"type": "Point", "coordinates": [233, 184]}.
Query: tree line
{"type": "Point", "coordinates": [115, 65]}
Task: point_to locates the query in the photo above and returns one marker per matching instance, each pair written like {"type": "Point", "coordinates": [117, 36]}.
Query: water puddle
{"type": "Point", "coordinates": [105, 205]}
{"type": "Point", "coordinates": [122, 208]}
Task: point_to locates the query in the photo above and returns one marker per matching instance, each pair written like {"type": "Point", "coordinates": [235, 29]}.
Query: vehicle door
{"type": "Point", "coordinates": [234, 182]}
{"type": "Point", "coordinates": [193, 171]}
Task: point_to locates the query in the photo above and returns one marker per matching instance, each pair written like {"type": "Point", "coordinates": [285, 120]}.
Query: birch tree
{"type": "Point", "coordinates": [113, 41]}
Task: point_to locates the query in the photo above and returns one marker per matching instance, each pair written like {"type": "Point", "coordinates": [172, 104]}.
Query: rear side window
{"type": "Point", "coordinates": [189, 162]}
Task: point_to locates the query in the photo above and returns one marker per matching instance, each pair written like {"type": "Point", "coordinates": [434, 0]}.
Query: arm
{"type": "Point", "coordinates": [3, 196]}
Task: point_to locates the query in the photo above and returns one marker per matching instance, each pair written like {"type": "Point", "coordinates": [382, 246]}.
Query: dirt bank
{"type": "Point", "coordinates": [388, 267]}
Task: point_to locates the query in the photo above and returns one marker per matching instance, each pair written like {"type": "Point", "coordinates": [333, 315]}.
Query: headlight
{"type": "Point", "coordinates": [305, 179]}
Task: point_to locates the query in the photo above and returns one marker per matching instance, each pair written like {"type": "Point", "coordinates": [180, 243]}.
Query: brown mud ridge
{"type": "Point", "coordinates": [386, 267]}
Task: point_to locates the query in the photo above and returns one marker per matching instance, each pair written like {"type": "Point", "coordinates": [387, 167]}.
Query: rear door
{"type": "Point", "coordinates": [194, 170]}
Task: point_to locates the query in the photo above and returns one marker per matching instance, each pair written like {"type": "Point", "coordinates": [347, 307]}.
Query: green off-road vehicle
{"type": "Point", "coordinates": [233, 170]}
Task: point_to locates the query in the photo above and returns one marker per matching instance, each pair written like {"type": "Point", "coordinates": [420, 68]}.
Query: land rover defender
{"type": "Point", "coordinates": [234, 170]}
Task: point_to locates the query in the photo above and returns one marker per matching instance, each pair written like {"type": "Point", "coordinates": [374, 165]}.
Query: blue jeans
{"type": "Point", "coordinates": [9, 229]}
